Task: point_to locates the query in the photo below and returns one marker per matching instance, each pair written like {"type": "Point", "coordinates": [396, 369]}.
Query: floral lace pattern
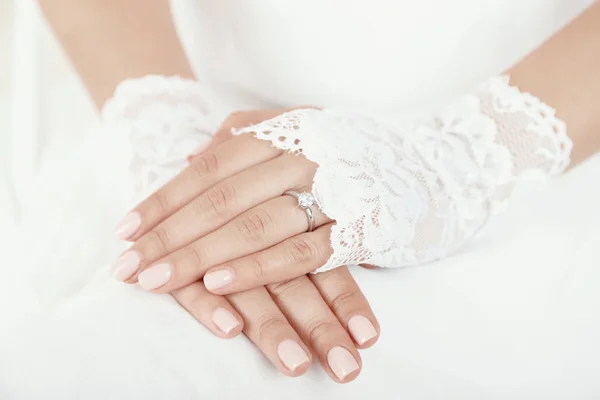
{"type": "Point", "coordinates": [163, 120]}
{"type": "Point", "coordinates": [408, 192]}
{"type": "Point", "coordinates": [402, 192]}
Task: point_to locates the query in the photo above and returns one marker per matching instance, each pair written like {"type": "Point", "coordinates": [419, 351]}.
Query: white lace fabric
{"type": "Point", "coordinates": [409, 192]}
{"type": "Point", "coordinates": [402, 192]}
{"type": "Point", "coordinates": [163, 119]}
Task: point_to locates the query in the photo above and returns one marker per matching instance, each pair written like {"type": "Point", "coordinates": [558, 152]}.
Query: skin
{"type": "Point", "coordinates": [268, 231]}
{"type": "Point", "coordinates": [108, 41]}
{"type": "Point", "coordinates": [565, 73]}
{"type": "Point", "coordinates": [223, 205]}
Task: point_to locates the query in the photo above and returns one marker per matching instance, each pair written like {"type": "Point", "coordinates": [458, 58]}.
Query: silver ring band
{"type": "Point", "coordinates": [305, 202]}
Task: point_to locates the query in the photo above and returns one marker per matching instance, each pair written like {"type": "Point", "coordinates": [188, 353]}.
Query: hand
{"type": "Point", "coordinates": [266, 317]}
{"type": "Point", "coordinates": [288, 320]}
{"type": "Point", "coordinates": [224, 219]}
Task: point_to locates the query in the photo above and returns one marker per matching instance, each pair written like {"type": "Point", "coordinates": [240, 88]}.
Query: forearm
{"type": "Point", "coordinates": [565, 73]}
{"type": "Point", "coordinates": [109, 41]}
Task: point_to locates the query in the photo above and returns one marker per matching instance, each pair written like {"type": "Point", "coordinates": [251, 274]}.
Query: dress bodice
{"type": "Point", "coordinates": [381, 54]}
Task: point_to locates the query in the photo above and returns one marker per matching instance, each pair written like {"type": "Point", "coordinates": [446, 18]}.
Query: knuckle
{"type": "Point", "coordinates": [193, 256]}
{"type": "Point", "coordinates": [191, 296]}
{"type": "Point", "coordinates": [317, 329]}
{"type": "Point", "coordinates": [302, 251]}
{"type": "Point", "coordinates": [269, 325]}
{"type": "Point", "coordinates": [254, 225]}
{"type": "Point", "coordinates": [206, 164]}
{"type": "Point", "coordinates": [286, 288]}
{"type": "Point", "coordinates": [258, 269]}
{"type": "Point", "coordinates": [344, 301]}
{"type": "Point", "coordinates": [221, 197]}
{"type": "Point", "coordinates": [157, 241]}
{"type": "Point", "coordinates": [160, 200]}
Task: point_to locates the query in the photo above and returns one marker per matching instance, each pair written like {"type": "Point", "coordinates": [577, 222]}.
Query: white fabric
{"type": "Point", "coordinates": [163, 119]}
{"type": "Point", "coordinates": [407, 192]}
{"type": "Point", "coordinates": [513, 317]}
{"type": "Point", "coordinates": [402, 191]}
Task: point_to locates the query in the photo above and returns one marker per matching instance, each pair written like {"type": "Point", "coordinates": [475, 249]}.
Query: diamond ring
{"type": "Point", "coordinates": [305, 202]}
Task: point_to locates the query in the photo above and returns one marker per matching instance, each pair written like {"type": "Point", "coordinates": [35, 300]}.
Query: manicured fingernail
{"type": "Point", "coordinates": [155, 276]}
{"type": "Point", "coordinates": [218, 279]}
{"type": "Point", "coordinates": [225, 320]}
{"type": "Point", "coordinates": [361, 329]}
{"type": "Point", "coordinates": [199, 149]}
{"type": "Point", "coordinates": [126, 266]}
{"type": "Point", "coordinates": [291, 354]}
{"type": "Point", "coordinates": [128, 226]}
{"type": "Point", "coordinates": [341, 362]}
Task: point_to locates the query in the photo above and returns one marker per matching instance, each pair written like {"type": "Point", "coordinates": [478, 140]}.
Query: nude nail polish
{"type": "Point", "coordinates": [225, 320]}
{"type": "Point", "coordinates": [126, 266]}
{"type": "Point", "coordinates": [341, 362]}
{"type": "Point", "coordinates": [291, 354]}
{"type": "Point", "coordinates": [361, 329]}
{"type": "Point", "coordinates": [218, 279]}
{"type": "Point", "coordinates": [155, 276]}
{"type": "Point", "coordinates": [128, 226]}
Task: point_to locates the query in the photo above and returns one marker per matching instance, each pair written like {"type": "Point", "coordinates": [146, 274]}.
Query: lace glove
{"type": "Point", "coordinates": [161, 120]}
{"type": "Point", "coordinates": [410, 192]}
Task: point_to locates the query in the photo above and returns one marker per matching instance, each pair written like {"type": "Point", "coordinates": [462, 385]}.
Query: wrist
{"type": "Point", "coordinates": [161, 119]}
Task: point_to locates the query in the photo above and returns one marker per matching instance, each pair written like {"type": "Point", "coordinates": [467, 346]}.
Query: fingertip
{"type": "Point", "coordinates": [368, 343]}
{"type": "Point", "coordinates": [226, 323]}
{"type": "Point", "coordinates": [344, 365]}
{"type": "Point", "coordinates": [131, 281]}
{"type": "Point", "coordinates": [350, 377]}
{"type": "Point", "coordinates": [217, 280]}
{"type": "Point", "coordinates": [298, 372]}
{"type": "Point", "coordinates": [296, 360]}
{"type": "Point", "coordinates": [154, 278]}
{"type": "Point", "coordinates": [126, 266]}
{"type": "Point", "coordinates": [363, 331]}
{"type": "Point", "coordinates": [129, 226]}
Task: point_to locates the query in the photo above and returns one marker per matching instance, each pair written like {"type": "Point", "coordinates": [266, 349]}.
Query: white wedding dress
{"type": "Point", "coordinates": [513, 316]}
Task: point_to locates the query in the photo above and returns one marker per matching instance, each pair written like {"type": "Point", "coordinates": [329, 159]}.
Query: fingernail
{"type": "Point", "coordinates": [126, 266]}
{"type": "Point", "coordinates": [218, 279]}
{"type": "Point", "coordinates": [128, 226]}
{"type": "Point", "coordinates": [199, 149]}
{"type": "Point", "coordinates": [341, 362]}
{"type": "Point", "coordinates": [361, 329]}
{"type": "Point", "coordinates": [225, 320]}
{"type": "Point", "coordinates": [155, 276]}
{"type": "Point", "coordinates": [291, 354]}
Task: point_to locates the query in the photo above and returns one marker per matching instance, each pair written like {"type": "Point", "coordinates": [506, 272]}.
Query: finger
{"type": "Point", "coordinates": [205, 171]}
{"type": "Point", "coordinates": [224, 133]}
{"type": "Point", "coordinates": [318, 327]}
{"type": "Point", "coordinates": [237, 120]}
{"type": "Point", "coordinates": [268, 329]}
{"type": "Point", "coordinates": [340, 291]}
{"type": "Point", "coordinates": [217, 206]}
{"type": "Point", "coordinates": [254, 230]}
{"type": "Point", "coordinates": [289, 259]}
{"type": "Point", "coordinates": [217, 139]}
{"type": "Point", "coordinates": [214, 312]}
{"type": "Point", "coordinates": [368, 266]}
